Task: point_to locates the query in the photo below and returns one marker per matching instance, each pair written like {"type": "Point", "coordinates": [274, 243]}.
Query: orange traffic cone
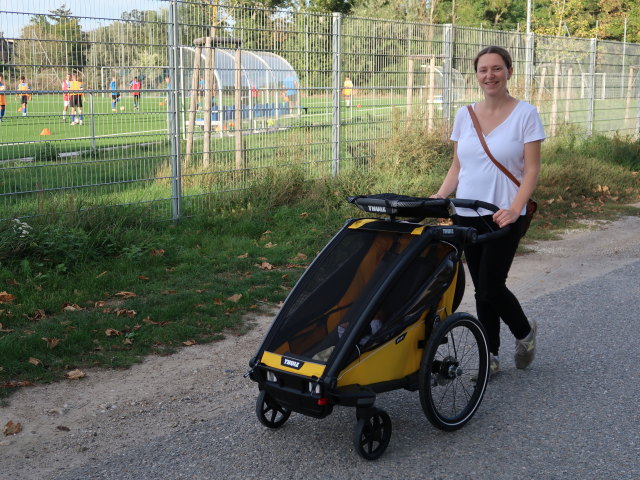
{"type": "Point", "coordinates": [45, 131]}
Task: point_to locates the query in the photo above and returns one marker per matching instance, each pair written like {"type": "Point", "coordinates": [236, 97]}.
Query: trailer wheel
{"type": "Point", "coordinates": [372, 434]}
{"type": "Point", "coordinates": [454, 371]}
{"type": "Point", "coordinates": [269, 412]}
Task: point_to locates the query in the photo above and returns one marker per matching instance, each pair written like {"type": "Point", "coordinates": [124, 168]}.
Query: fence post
{"type": "Point", "coordinates": [592, 84]}
{"type": "Point", "coordinates": [93, 123]}
{"type": "Point", "coordinates": [529, 67]}
{"type": "Point", "coordinates": [447, 51]}
{"type": "Point", "coordinates": [174, 113]}
{"type": "Point", "coordinates": [336, 50]}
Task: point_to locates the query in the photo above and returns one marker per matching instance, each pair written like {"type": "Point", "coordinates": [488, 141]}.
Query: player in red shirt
{"type": "Point", "coordinates": [135, 85]}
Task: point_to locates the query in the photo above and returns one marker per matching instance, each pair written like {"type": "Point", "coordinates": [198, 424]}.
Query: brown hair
{"type": "Point", "coordinates": [503, 52]}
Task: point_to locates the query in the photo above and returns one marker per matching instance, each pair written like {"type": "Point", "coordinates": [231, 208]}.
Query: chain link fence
{"type": "Point", "coordinates": [182, 101]}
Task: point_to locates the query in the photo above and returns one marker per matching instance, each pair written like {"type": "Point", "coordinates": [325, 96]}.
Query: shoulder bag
{"type": "Point", "coordinates": [532, 205]}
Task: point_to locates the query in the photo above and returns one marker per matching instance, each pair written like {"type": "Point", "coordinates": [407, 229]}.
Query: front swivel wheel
{"type": "Point", "coordinates": [269, 412]}
{"type": "Point", "coordinates": [372, 434]}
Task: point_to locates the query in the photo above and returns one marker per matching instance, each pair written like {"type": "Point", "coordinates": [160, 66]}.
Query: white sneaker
{"type": "Point", "coordinates": [80, 122]}
{"type": "Point", "coordinates": [526, 348]}
{"type": "Point", "coordinates": [494, 365]}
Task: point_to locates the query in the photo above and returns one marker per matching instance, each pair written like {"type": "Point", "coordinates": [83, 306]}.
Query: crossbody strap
{"type": "Point", "coordinates": [502, 168]}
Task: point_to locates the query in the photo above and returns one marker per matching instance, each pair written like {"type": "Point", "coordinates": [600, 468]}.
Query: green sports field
{"type": "Point", "coordinates": [101, 127]}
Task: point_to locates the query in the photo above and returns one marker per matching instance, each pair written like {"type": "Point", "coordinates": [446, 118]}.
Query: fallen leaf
{"type": "Point", "coordinates": [5, 330]}
{"type": "Point", "coordinates": [265, 266]}
{"type": "Point", "coordinates": [6, 297]}
{"type": "Point", "coordinates": [235, 298]}
{"type": "Point", "coordinates": [99, 304]}
{"type": "Point", "coordinates": [75, 374]}
{"type": "Point", "coordinates": [267, 232]}
{"type": "Point", "coordinates": [285, 276]}
{"type": "Point", "coordinates": [14, 384]}
{"type": "Point", "coordinates": [126, 312]}
{"type": "Point", "coordinates": [300, 256]}
{"type": "Point", "coordinates": [200, 291]}
{"type": "Point", "coordinates": [270, 245]}
{"type": "Point", "coordinates": [169, 292]}
{"type": "Point", "coordinates": [157, 252]}
{"type": "Point", "coordinates": [51, 342]}
{"type": "Point", "coordinates": [62, 428]}
{"type": "Point", "coordinates": [71, 307]}
{"type": "Point", "coordinates": [142, 277]}
{"type": "Point", "coordinates": [125, 294]}
{"type": "Point", "coordinates": [102, 274]}
{"type": "Point", "coordinates": [127, 341]}
{"type": "Point", "coordinates": [244, 255]}
{"type": "Point", "coordinates": [34, 361]}
{"type": "Point", "coordinates": [169, 269]}
{"type": "Point", "coordinates": [218, 301]}
{"type": "Point", "coordinates": [11, 281]}
{"type": "Point", "coordinates": [112, 332]}
{"type": "Point", "coordinates": [12, 428]}
{"type": "Point", "coordinates": [37, 315]}
{"type": "Point", "coordinates": [190, 343]}
{"type": "Point", "coordinates": [304, 214]}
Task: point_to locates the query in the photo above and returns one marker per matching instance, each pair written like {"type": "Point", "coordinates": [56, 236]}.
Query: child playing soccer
{"type": "Point", "coordinates": [24, 97]}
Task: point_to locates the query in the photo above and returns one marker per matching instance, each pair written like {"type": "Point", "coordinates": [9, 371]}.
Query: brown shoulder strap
{"type": "Point", "coordinates": [502, 168]}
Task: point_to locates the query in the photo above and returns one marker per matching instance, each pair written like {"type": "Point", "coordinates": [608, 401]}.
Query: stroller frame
{"type": "Point", "coordinates": [423, 346]}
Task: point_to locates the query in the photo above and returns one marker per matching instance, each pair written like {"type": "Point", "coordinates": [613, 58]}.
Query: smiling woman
{"type": "Point", "coordinates": [512, 131]}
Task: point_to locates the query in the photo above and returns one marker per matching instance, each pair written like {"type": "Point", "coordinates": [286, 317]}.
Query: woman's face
{"type": "Point", "coordinates": [492, 74]}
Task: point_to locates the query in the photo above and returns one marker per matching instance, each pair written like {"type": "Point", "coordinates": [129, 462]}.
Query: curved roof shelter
{"type": "Point", "coordinates": [263, 70]}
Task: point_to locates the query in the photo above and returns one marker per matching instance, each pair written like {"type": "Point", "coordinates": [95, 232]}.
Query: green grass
{"type": "Point", "coordinates": [66, 278]}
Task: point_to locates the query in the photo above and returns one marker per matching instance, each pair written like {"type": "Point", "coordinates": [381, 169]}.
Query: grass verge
{"type": "Point", "coordinates": [104, 289]}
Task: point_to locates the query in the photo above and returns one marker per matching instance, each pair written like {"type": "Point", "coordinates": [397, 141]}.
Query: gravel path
{"type": "Point", "coordinates": [191, 415]}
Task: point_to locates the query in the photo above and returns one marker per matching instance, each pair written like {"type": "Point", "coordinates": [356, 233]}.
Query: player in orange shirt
{"type": "Point", "coordinates": [3, 101]}
{"type": "Point", "coordinates": [75, 99]}
{"type": "Point", "coordinates": [24, 97]}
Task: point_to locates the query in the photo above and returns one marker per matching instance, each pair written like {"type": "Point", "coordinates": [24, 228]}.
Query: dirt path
{"type": "Point", "coordinates": [73, 422]}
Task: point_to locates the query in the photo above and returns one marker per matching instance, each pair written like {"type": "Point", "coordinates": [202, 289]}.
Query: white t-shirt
{"type": "Point", "coordinates": [479, 178]}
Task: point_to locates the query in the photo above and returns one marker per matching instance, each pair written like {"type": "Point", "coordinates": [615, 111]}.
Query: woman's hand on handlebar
{"type": "Point", "coordinates": [502, 217]}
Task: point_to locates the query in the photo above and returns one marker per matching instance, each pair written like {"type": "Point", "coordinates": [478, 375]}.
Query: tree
{"type": "Point", "coordinates": [59, 39]}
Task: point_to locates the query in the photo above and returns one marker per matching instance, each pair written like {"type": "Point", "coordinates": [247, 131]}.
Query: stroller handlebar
{"type": "Point", "coordinates": [396, 205]}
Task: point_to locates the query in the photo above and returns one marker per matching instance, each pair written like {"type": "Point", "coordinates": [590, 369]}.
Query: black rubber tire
{"type": "Point", "coordinates": [454, 371]}
{"type": "Point", "coordinates": [269, 412]}
{"type": "Point", "coordinates": [372, 434]}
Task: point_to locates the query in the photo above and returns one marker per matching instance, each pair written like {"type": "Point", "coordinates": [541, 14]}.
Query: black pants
{"type": "Point", "coordinates": [489, 265]}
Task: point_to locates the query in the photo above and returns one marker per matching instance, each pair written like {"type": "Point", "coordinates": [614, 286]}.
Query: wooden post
{"type": "Point", "coordinates": [208, 73]}
{"type": "Point", "coordinates": [541, 88]}
{"type": "Point", "coordinates": [410, 76]}
{"type": "Point", "coordinates": [568, 95]}
{"type": "Point", "coordinates": [431, 96]}
{"type": "Point", "coordinates": [193, 103]}
{"type": "Point", "coordinates": [237, 124]}
{"type": "Point", "coordinates": [629, 91]}
{"type": "Point", "coordinates": [554, 100]}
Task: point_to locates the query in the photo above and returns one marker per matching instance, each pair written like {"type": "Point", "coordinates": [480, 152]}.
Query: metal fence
{"type": "Point", "coordinates": [227, 93]}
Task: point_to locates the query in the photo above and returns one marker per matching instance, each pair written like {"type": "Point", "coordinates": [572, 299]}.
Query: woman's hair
{"type": "Point", "coordinates": [503, 52]}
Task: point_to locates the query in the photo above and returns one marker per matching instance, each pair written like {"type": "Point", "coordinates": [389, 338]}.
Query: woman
{"type": "Point", "coordinates": [513, 132]}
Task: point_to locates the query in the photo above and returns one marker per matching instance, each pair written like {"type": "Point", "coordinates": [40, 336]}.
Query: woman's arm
{"type": "Point", "coordinates": [450, 182]}
{"type": "Point", "coordinates": [527, 186]}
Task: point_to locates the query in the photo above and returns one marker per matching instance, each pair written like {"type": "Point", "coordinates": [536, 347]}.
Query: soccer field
{"type": "Point", "coordinates": [21, 135]}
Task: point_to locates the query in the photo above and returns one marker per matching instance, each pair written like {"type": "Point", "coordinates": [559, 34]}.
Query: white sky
{"type": "Point", "coordinates": [15, 14]}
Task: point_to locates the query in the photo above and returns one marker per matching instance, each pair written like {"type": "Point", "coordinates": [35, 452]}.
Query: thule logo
{"type": "Point", "coordinates": [376, 208]}
{"type": "Point", "coordinates": [291, 363]}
